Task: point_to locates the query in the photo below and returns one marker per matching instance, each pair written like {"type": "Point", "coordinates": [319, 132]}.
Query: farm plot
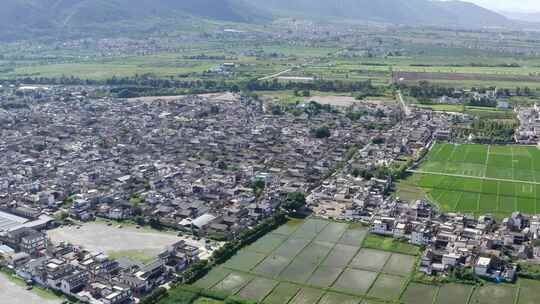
{"type": "Point", "coordinates": [307, 296]}
{"type": "Point", "coordinates": [528, 293]}
{"type": "Point", "coordinates": [453, 294]}
{"type": "Point", "coordinates": [370, 259]}
{"type": "Point", "coordinates": [355, 281]}
{"type": "Point", "coordinates": [245, 260]}
{"type": "Point", "coordinates": [258, 289]}
{"type": "Point", "coordinates": [215, 276]}
{"type": "Point", "coordinates": [233, 283]}
{"type": "Point", "coordinates": [419, 294]}
{"type": "Point", "coordinates": [387, 287]}
{"type": "Point", "coordinates": [493, 294]}
{"type": "Point", "coordinates": [283, 293]}
{"type": "Point", "coordinates": [481, 179]}
{"type": "Point", "coordinates": [333, 298]}
{"type": "Point", "coordinates": [313, 262]}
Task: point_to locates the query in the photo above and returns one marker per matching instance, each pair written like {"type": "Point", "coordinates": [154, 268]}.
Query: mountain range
{"type": "Point", "coordinates": [21, 18]}
{"type": "Point", "coordinates": [533, 17]}
{"type": "Point", "coordinates": [29, 18]}
{"type": "Point", "coordinates": [407, 12]}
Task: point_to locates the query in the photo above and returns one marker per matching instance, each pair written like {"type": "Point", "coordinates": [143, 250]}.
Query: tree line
{"type": "Point", "coordinates": [138, 85]}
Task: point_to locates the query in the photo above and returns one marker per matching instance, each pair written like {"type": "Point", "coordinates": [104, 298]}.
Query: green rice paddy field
{"type": "Point", "coordinates": [315, 261]}
{"type": "Point", "coordinates": [480, 179]}
{"type": "Point", "coordinates": [322, 262]}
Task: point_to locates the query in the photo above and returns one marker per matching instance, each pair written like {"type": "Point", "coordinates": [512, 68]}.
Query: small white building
{"type": "Point", "coordinates": [482, 266]}
{"type": "Point", "coordinates": [421, 237]}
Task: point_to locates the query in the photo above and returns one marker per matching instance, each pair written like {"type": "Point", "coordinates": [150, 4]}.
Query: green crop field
{"type": "Point", "coordinates": [302, 264]}
{"type": "Point", "coordinates": [313, 261]}
{"type": "Point", "coordinates": [480, 179]}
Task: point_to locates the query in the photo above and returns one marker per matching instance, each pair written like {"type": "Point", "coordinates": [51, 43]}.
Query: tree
{"type": "Point", "coordinates": [377, 141]}
{"type": "Point", "coordinates": [382, 172]}
{"type": "Point", "coordinates": [155, 224]}
{"type": "Point", "coordinates": [235, 88]}
{"type": "Point", "coordinates": [214, 109]}
{"type": "Point", "coordinates": [276, 110]}
{"type": "Point", "coordinates": [140, 220]}
{"type": "Point", "coordinates": [258, 186]}
{"type": "Point", "coordinates": [156, 295]}
{"type": "Point", "coordinates": [222, 165]}
{"type": "Point", "coordinates": [380, 113]}
{"type": "Point", "coordinates": [61, 216]}
{"type": "Point", "coordinates": [294, 201]}
{"type": "Point", "coordinates": [126, 93]}
{"type": "Point", "coordinates": [322, 132]}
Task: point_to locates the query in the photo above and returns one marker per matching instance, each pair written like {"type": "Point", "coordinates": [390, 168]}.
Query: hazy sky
{"type": "Point", "coordinates": [511, 5]}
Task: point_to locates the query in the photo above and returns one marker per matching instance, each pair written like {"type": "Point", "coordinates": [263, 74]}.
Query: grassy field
{"type": "Point", "coordinates": [481, 179]}
{"type": "Point", "coordinates": [134, 255]}
{"type": "Point", "coordinates": [389, 244]}
{"type": "Point", "coordinates": [481, 112]}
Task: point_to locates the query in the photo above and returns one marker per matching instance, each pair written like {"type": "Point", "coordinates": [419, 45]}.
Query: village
{"type": "Point", "coordinates": [208, 167]}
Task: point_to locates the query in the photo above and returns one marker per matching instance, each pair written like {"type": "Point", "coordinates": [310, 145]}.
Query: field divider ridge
{"type": "Point", "coordinates": [473, 177]}
{"type": "Point", "coordinates": [487, 161]}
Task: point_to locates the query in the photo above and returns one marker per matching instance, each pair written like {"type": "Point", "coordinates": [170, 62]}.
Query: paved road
{"type": "Point", "coordinates": [404, 105]}
{"type": "Point", "coordinates": [474, 177]}
{"type": "Point", "coordinates": [275, 75]}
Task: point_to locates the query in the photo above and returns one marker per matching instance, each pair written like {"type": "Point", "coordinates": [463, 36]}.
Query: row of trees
{"type": "Point", "coordinates": [490, 131]}
{"type": "Point", "coordinates": [483, 102]}
{"type": "Point", "coordinates": [138, 85]}
{"type": "Point", "coordinates": [317, 85]}
{"type": "Point", "coordinates": [425, 90]}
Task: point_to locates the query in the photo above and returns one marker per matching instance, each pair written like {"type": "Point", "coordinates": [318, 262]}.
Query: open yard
{"type": "Point", "coordinates": [481, 179]}
{"type": "Point", "coordinates": [140, 245]}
